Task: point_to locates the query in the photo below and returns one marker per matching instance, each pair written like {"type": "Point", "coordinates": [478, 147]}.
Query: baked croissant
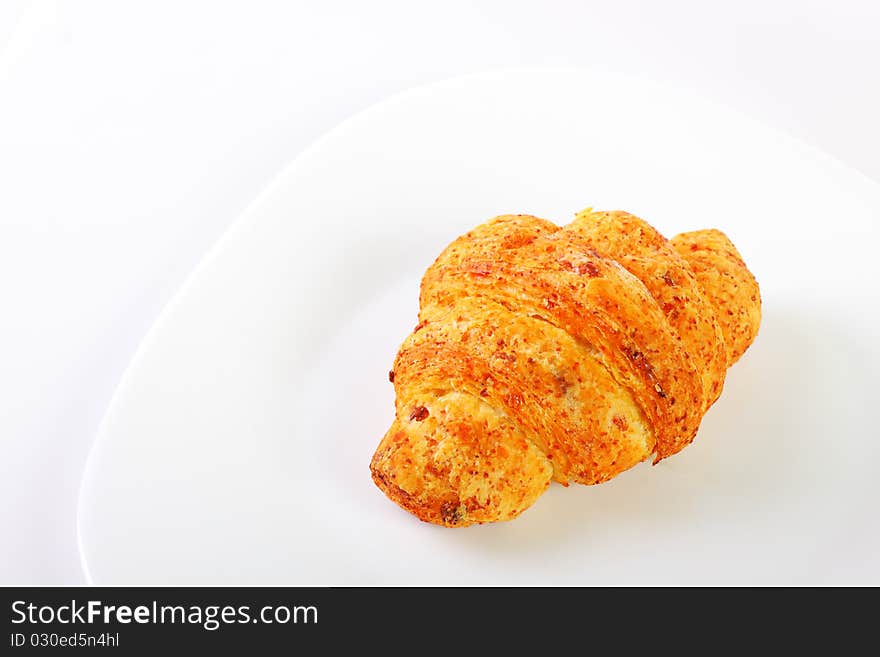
{"type": "Point", "coordinates": [566, 354]}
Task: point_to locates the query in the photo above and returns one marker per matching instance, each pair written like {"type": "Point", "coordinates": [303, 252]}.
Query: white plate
{"type": "Point", "coordinates": [237, 447]}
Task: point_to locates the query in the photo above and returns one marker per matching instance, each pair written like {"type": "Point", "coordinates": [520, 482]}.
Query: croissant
{"type": "Point", "coordinates": [558, 354]}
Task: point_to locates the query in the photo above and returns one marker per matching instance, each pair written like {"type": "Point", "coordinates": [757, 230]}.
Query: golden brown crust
{"type": "Point", "coordinates": [727, 284]}
{"type": "Point", "coordinates": [557, 277]}
{"type": "Point", "coordinates": [541, 353]}
{"type": "Point", "coordinates": [648, 255]}
{"type": "Point", "coordinates": [537, 375]}
{"type": "Point", "coordinates": [462, 463]}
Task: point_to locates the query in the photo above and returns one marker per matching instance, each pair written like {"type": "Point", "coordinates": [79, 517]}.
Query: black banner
{"type": "Point", "coordinates": [130, 620]}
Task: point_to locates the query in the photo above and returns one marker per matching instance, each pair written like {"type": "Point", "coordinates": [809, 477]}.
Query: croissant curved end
{"type": "Point", "coordinates": [463, 463]}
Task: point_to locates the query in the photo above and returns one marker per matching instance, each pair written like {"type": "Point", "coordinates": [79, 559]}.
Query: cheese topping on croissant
{"type": "Point", "coordinates": [569, 354]}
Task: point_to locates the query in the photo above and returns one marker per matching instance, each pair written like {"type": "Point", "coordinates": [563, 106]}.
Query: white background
{"type": "Point", "coordinates": [132, 135]}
